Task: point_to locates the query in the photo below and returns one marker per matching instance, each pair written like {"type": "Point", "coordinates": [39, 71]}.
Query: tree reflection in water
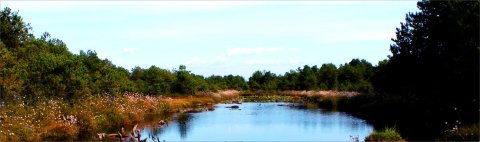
{"type": "Point", "coordinates": [184, 122]}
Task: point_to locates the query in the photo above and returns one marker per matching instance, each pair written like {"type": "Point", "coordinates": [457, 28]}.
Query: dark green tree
{"type": "Point", "coordinates": [185, 83]}
{"type": "Point", "coordinates": [435, 62]}
{"type": "Point", "coordinates": [14, 32]}
{"type": "Point", "coordinates": [289, 81]}
{"type": "Point", "coordinates": [235, 82]}
{"type": "Point", "coordinates": [328, 75]}
{"type": "Point", "coordinates": [265, 80]}
{"type": "Point", "coordinates": [216, 82]}
{"type": "Point", "coordinates": [307, 79]}
{"type": "Point", "coordinates": [256, 80]}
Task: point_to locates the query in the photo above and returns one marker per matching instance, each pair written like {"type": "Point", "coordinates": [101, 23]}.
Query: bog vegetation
{"type": "Point", "coordinates": [430, 82]}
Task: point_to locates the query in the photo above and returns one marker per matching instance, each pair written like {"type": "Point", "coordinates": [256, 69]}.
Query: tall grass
{"type": "Point", "coordinates": [56, 119]}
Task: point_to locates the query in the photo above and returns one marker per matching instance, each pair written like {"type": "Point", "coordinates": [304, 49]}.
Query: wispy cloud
{"type": "Point", "coordinates": [129, 50]}
{"type": "Point", "coordinates": [272, 61]}
{"type": "Point", "coordinates": [205, 61]}
{"type": "Point", "coordinates": [247, 51]}
{"type": "Point", "coordinates": [242, 56]}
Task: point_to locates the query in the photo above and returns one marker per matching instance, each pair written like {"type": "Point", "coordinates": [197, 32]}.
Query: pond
{"type": "Point", "coordinates": [261, 122]}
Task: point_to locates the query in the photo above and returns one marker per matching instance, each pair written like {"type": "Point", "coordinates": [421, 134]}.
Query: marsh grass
{"type": "Point", "coordinates": [270, 97]}
{"type": "Point", "coordinates": [59, 120]}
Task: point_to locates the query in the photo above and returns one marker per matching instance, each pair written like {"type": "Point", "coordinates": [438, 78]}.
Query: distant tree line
{"type": "Point", "coordinates": [433, 73]}
{"type": "Point", "coordinates": [435, 54]}
{"type": "Point", "coordinates": [353, 76]}
{"type": "Point", "coordinates": [33, 67]}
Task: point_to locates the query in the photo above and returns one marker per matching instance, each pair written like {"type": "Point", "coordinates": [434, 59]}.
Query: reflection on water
{"type": "Point", "coordinates": [183, 121]}
{"type": "Point", "coordinates": [261, 122]}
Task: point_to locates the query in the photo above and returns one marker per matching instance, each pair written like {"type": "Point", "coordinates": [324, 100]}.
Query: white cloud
{"type": "Point", "coordinates": [129, 50]}
{"type": "Point", "coordinates": [358, 36]}
{"type": "Point", "coordinates": [230, 56]}
{"type": "Point", "coordinates": [248, 51]}
{"type": "Point", "coordinates": [202, 61]}
{"type": "Point", "coordinates": [272, 61]}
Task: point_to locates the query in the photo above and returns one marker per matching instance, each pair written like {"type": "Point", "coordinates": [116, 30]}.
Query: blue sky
{"type": "Point", "coordinates": [221, 37]}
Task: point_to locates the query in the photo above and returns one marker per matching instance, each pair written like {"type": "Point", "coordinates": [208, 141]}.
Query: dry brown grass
{"type": "Point", "coordinates": [55, 119]}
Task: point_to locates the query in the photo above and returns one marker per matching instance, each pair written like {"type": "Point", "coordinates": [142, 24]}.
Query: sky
{"type": "Point", "coordinates": [221, 37]}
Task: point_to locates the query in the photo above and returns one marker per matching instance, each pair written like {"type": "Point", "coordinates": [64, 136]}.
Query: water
{"type": "Point", "coordinates": [261, 122]}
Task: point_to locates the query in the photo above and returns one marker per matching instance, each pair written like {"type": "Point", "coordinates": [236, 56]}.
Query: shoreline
{"type": "Point", "coordinates": [54, 119]}
{"type": "Point", "coordinates": [84, 119]}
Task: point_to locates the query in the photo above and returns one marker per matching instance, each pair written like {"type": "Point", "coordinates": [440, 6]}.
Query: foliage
{"type": "Point", "coordinates": [435, 64]}
{"type": "Point", "coordinates": [227, 82]}
{"type": "Point", "coordinates": [432, 74]}
{"type": "Point", "coordinates": [265, 80]}
{"type": "Point", "coordinates": [353, 76]}
{"type": "Point", "coordinates": [328, 75]}
{"type": "Point", "coordinates": [387, 134]}
{"type": "Point", "coordinates": [43, 67]}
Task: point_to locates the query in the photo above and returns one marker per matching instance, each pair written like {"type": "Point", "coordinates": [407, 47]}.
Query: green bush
{"type": "Point", "coordinates": [388, 134]}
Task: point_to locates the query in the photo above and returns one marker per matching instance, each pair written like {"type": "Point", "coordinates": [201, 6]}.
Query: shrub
{"type": "Point", "coordinates": [388, 134]}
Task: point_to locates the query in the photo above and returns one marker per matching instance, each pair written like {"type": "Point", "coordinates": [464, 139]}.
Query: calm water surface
{"type": "Point", "coordinates": [261, 122]}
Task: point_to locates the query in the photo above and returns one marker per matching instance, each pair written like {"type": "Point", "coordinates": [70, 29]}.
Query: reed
{"type": "Point", "coordinates": [84, 119]}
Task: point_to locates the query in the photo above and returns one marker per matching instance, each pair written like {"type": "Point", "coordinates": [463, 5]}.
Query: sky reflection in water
{"type": "Point", "coordinates": [262, 122]}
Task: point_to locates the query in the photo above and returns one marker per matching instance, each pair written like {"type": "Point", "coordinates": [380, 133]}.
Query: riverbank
{"type": "Point", "coordinates": [413, 119]}
{"type": "Point", "coordinates": [292, 95]}
{"type": "Point", "coordinates": [56, 119]}
{"type": "Point", "coordinates": [83, 119]}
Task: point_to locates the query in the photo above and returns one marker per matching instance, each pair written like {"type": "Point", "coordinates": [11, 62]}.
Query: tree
{"type": "Point", "coordinates": [256, 80]}
{"type": "Point", "coordinates": [307, 78]}
{"type": "Point", "coordinates": [270, 81]}
{"type": "Point", "coordinates": [12, 71]}
{"type": "Point", "coordinates": [328, 75]}
{"type": "Point", "coordinates": [159, 81]}
{"type": "Point", "coordinates": [440, 44]}
{"type": "Point", "coordinates": [14, 32]}
{"type": "Point", "coordinates": [216, 82]}
{"type": "Point", "coordinates": [265, 80]}
{"type": "Point", "coordinates": [235, 82]}
{"type": "Point", "coordinates": [355, 76]}
{"type": "Point", "coordinates": [435, 59]}
{"type": "Point", "coordinates": [289, 81]}
{"type": "Point", "coordinates": [185, 83]}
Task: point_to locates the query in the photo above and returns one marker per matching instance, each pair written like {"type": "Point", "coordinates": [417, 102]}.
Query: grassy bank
{"type": "Point", "coordinates": [55, 119]}
{"type": "Point", "coordinates": [292, 96]}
